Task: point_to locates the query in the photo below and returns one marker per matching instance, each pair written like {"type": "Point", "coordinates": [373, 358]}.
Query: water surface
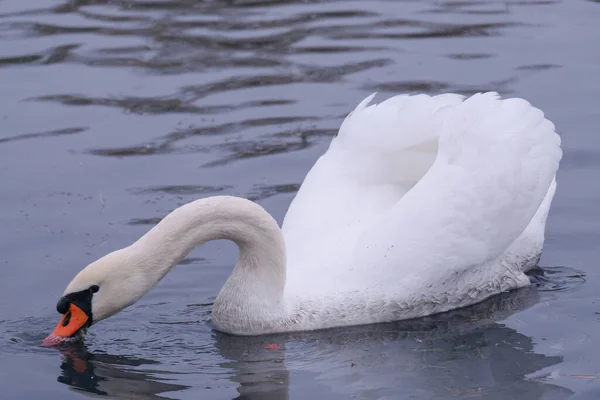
{"type": "Point", "coordinates": [112, 113]}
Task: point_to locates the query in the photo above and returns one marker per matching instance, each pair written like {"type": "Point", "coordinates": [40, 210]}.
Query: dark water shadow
{"type": "Point", "coordinates": [57, 132]}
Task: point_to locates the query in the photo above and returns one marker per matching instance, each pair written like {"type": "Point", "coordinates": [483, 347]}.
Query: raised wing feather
{"type": "Point", "coordinates": [495, 164]}
{"type": "Point", "coordinates": [380, 152]}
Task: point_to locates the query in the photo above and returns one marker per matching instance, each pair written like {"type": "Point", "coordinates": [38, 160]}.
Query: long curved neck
{"type": "Point", "coordinates": [260, 270]}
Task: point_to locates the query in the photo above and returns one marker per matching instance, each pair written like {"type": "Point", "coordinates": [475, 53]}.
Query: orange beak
{"type": "Point", "coordinates": [70, 323]}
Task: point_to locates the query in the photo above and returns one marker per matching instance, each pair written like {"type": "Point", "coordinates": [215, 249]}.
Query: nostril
{"type": "Point", "coordinates": [67, 319]}
{"type": "Point", "coordinates": [63, 305]}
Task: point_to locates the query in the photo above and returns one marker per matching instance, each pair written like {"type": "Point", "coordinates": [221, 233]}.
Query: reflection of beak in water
{"type": "Point", "coordinates": [106, 375]}
{"type": "Point", "coordinates": [461, 354]}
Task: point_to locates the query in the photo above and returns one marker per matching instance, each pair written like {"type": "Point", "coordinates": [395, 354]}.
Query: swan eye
{"type": "Point", "coordinates": [94, 288]}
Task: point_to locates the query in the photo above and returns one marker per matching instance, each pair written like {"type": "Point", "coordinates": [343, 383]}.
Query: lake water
{"type": "Point", "coordinates": [114, 112]}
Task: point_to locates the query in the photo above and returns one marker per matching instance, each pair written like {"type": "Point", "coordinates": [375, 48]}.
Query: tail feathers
{"type": "Point", "coordinates": [526, 250]}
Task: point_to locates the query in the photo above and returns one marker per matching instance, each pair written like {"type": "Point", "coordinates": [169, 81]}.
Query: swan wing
{"type": "Point", "coordinates": [423, 189]}
{"type": "Point", "coordinates": [379, 153]}
{"type": "Point", "coordinates": [495, 165]}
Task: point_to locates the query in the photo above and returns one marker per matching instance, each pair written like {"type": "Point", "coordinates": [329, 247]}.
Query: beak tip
{"type": "Point", "coordinates": [53, 340]}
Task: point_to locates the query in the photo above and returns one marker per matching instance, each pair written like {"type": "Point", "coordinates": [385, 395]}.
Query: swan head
{"type": "Point", "coordinates": [101, 289]}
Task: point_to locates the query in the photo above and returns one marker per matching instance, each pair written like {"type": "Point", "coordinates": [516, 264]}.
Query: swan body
{"type": "Point", "coordinates": [420, 205]}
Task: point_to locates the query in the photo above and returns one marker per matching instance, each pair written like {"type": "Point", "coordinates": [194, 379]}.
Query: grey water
{"type": "Point", "coordinates": [114, 112]}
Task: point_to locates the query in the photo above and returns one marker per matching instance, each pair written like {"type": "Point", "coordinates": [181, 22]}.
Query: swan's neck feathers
{"type": "Point", "coordinates": [246, 223]}
{"type": "Point", "coordinates": [254, 290]}
{"type": "Point", "coordinates": [258, 279]}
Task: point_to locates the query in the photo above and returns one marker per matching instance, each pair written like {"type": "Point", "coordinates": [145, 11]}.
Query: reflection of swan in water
{"type": "Point", "coordinates": [108, 375]}
{"type": "Point", "coordinates": [462, 354]}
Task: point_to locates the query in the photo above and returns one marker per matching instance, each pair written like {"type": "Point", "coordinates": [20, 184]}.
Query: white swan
{"type": "Point", "coordinates": [420, 205]}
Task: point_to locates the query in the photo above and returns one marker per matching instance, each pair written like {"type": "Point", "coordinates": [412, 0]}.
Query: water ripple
{"type": "Point", "coordinates": [57, 132]}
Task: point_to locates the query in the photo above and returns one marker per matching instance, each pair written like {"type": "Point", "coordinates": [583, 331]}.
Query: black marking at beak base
{"type": "Point", "coordinates": [82, 299]}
